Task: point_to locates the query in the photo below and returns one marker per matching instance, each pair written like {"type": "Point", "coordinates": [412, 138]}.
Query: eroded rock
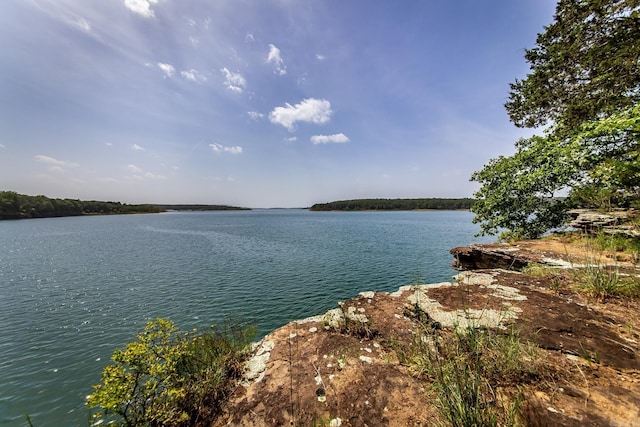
{"type": "Point", "coordinates": [315, 369]}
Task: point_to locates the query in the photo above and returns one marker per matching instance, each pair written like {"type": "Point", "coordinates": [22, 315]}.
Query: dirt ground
{"type": "Point", "coordinates": [343, 368]}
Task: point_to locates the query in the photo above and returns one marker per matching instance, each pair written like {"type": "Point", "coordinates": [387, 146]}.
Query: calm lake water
{"type": "Point", "coordinates": [74, 289]}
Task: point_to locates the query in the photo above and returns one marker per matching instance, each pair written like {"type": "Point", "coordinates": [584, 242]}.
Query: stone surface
{"type": "Point", "coordinates": [340, 376]}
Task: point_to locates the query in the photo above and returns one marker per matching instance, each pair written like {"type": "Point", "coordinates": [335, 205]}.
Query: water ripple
{"type": "Point", "coordinates": [74, 289]}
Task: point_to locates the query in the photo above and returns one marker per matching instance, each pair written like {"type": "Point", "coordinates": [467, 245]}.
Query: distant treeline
{"type": "Point", "coordinates": [200, 208]}
{"type": "Point", "coordinates": [393, 204]}
{"type": "Point", "coordinates": [19, 206]}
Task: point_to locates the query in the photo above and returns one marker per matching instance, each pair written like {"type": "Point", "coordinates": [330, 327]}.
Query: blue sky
{"type": "Point", "coordinates": [257, 103]}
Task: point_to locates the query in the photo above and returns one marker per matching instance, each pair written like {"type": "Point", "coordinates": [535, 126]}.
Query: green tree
{"type": "Point", "coordinates": [585, 64]}
{"type": "Point", "coordinates": [584, 86]}
{"type": "Point", "coordinates": [169, 378]}
{"type": "Point", "coordinates": [9, 205]}
{"type": "Point", "coordinates": [596, 166]}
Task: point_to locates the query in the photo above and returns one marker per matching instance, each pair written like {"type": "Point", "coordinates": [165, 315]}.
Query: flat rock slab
{"type": "Point", "coordinates": [551, 252]}
{"type": "Point", "coordinates": [314, 373]}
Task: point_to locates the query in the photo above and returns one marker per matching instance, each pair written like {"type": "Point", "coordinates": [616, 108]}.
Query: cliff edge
{"type": "Point", "coordinates": [369, 362]}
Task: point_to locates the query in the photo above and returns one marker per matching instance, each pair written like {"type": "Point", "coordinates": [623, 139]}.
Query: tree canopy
{"type": "Point", "coordinates": [584, 65]}
{"type": "Point", "coordinates": [392, 204]}
{"type": "Point", "coordinates": [19, 206]}
{"type": "Point", "coordinates": [584, 86]}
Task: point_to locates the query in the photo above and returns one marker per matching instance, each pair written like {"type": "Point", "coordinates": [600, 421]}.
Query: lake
{"type": "Point", "coordinates": [72, 290]}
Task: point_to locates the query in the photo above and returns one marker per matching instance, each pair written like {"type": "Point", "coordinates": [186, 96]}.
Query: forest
{"type": "Point", "coordinates": [393, 204]}
{"type": "Point", "coordinates": [20, 206]}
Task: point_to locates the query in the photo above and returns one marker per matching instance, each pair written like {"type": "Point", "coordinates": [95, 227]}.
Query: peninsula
{"type": "Point", "coordinates": [21, 206]}
{"type": "Point", "coordinates": [394, 204]}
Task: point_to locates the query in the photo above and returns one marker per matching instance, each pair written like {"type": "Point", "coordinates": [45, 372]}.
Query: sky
{"type": "Point", "coordinates": [258, 103]}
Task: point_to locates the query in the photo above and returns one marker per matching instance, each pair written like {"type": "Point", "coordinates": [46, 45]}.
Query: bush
{"type": "Point", "coordinates": [170, 378]}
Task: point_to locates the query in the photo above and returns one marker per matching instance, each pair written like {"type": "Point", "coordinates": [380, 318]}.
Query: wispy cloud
{"type": "Point", "coordinates": [3, 146]}
{"type": "Point", "coordinates": [82, 25]}
{"type": "Point", "coordinates": [167, 69]}
{"type": "Point", "coordinates": [193, 75]}
{"type": "Point", "coordinates": [134, 169]}
{"type": "Point", "coordinates": [149, 175]}
{"type": "Point", "coordinates": [55, 165]}
{"type": "Point", "coordinates": [138, 174]}
{"type": "Point", "coordinates": [136, 147]}
{"type": "Point", "coordinates": [310, 110]}
{"type": "Point", "coordinates": [320, 57]}
{"type": "Point", "coordinates": [292, 139]}
{"type": "Point", "coordinates": [249, 38]}
{"type": "Point", "coordinates": [254, 115]}
{"type": "Point", "coordinates": [141, 7]}
{"type": "Point", "coordinates": [275, 59]}
{"type": "Point", "coordinates": [234, 81]}
{"type": "Point", "coordinates": [218, 148]}
{"type": "Point", "coordinates": [338, 138]}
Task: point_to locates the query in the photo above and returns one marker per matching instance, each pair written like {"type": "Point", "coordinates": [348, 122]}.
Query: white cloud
{"type": "Point", "coordinates": [167, 69]}
{"type": "Point", "coordinates": [310, 110]}
{"type": "Point", "coordinates": [141, 7]}
{"type": "Point", "coordinates": [274, 58]}
{"type": "Point", "coordinates": [82, 25]}
{"type": "Point", "coordinates": [249, 38]}
{"type": "Point", "coordinates": [108, 144]}
{"type": "Point", "coordinates": [193, 75]}
{"type": "Point", "coordinates": [136, 147]}
{"type": "Point", "coordinates": [55, 165]}
{"type": "Point", "coordinates": [217, 148]}
{"type": "Point", "coordinates": [3, 146]}
{"type": "Point", "coordinates": [149, 175]}
{"type": "Point", "coordinates": [254, 115]}
{"type": "Point", "coordinates": [234, 81]}
{"type": "Point", "coordinates": [338, 138]}
{"type": "Point", "coordinates": [140, 175]}
{"type": "Point", "coordinates": [292, 139]}
{"type": "Point", "coordinates": [134, 169]}
{"type": "Point", "coordinates": [320, 57]}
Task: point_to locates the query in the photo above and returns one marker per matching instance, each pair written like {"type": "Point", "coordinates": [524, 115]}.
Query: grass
{"type": "Point", "coordinates": [351, 323]}
{"type": "Point", "coordinates": [601, 274]}
{"type": "Point", "coordinates": [476, 372]}
{"type": "Point", "coordinates": [602, 281]}
{"type": "Point", "coordinates": [626, 248]}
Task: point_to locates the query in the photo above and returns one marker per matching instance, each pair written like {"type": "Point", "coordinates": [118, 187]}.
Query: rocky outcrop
{"type": "Point", "coordinates": [344, 368]}
{"type": "Point", "coordinates": [501, 256]}
{"type": "Point", "coordinates": [612, 222]}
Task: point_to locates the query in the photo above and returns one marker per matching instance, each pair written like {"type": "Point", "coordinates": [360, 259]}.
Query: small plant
{"type": "Point", "coordinates": [351, 323]}
{"type": "Point", "coordinates": [468, 368]}
{"type": "Point", "coordinates": [539, 270]}
{"type": "Point", "coordinates": [619, 245]}
{"type": "Point", "coordinates": [170, 378]}
{"type": "Point", "coordinates": [599, 282]}
{"type": "Point", "coordinates": [471, 368]}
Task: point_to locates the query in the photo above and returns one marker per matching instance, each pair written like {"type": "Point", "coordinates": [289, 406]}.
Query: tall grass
{"type": "Point", "coordinates": [476, 372]}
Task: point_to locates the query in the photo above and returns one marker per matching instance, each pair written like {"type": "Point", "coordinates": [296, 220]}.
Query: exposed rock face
{"type": "Point", "coordinates": [547, 252]}
{"type": "Point", "coordinates": [610, 222]}
{"type": "Point", "coordinates": [502, 256]}
{"type": "Point", "coordinates": [342, 368]}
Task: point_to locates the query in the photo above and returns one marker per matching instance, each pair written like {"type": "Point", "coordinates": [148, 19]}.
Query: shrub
{"type": "Point", "coordinates": [170, 378]}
